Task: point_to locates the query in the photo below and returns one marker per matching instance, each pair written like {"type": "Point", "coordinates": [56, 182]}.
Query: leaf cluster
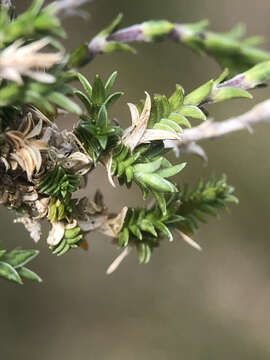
{"type": "Point", "coordinates": [33, 24]}
{"type": "Point", "coordinates": [59, 184]}
{"type": "Point", "coordinates": [71, 240]}
{"type": "Point", "coordinates": [12, 265]}
{"type": "Point", "coordinates": [95, 131]}
{"type": "Point", "coordinates": [206, 199]}
{"type": "Point", "coordinates": [145, 228]}
{"type": "Point", "coordinates": [148, 168]}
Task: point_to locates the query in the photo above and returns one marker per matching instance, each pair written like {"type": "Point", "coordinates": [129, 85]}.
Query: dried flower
{"type": "Point", "coordinates": [27, 149]}
{"type": "Point", "coordinates": [114, 224]}
{"type": "Point", "coordinates": [138, 133]}
{"type": "Point", "coordinates": [18, 60]}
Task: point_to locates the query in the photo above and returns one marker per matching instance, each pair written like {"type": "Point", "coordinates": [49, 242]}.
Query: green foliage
{"type": "Point", "coordinates": [61, 208]}
{"type": "Point", "coordinates": [71, 240]}
{"type": "Point", "coordinates": [229, 49]}
{"type": "Point", "coordinates": [171, 113]}
{"type": "Point", "coordinates": [34, 23]}
{"type": "Point", "coordinates": [58, 182]}
{"type": "Point", "coordinates": [12, 265]}
{"type": "Point", "coordinates": [95, 131]}
{"type": "Point", "coordinates": [206, 199]}
{"type": "Point", "coordinates": [148, 168]}
{"type": "Point", "coordinates": [257, 75]}
{"type": "Point", "coordinates": [145, 228]}
{"type": "Point", "coordinates": [43, 96]}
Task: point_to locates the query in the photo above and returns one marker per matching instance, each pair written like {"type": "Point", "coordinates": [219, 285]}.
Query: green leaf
{"type": "Point", "coordinates": [103, 140]}
{"type": "Point", "coordinates": [227, 93]}
{"type": "Point", "coordinates": [9, 273]}
{"type": "Point", "coordinates": [147, 254]}
{"type": "Point", "coordinates": [2, 252]}
{"type": "Point", "coordinates": [148, 167]}
{"type": "Point", "coordinates": [98, 91]}
{"type": "Point", "coordinates": [160, 198]}
{"type": "Point", "coordinates": [160, 126]}
{"type": "Point", "coordinates": [111, 99]}
{"type": "Point", "coordinates": [147, 226]}
{"type": "Point", "coordinates": [29, 274]}
{"type": "Point", "coordinates": [18, 257]}
{"type": "Point", "coordinates": [113, 46]}
{"type": "Point", "coordinates": [171, 171]}
{"type": "Point", "coordinates": [192, 111]}
{"type": "Point", "coordinates": [35, 7]}
{"type": "Point", "coordinates": [141, 252]}
{"type": "Point", "coordinates": [222, 77]}
{"type": "Point", "coordinates": [136, 231]}
{"type": "Point", "coordinates": [110, 82]}
{"type": "Point", "coordinates": [156, 182]}
{"type": "Point", "coordinates": [164, 229]}
{"type": "Point", "coordinates": [87, 87]}
{"type": "Point", "coordinates": [102, 120]}
{"type": "Point", "coordinates": [176, 99]}
{"type": "Point", "coordinates": [257, 75]}
{"type": "Point", "coordinates": [112, 27]}
{"type": "Point", "coordinates": [85, 100]}
{"type": "Point", "coordinates": [123, 238]}
{"type": "Point", "coordinates": [156, 28]}
{"type": "Point", "coordinates": [172, 124]}
{"type": "Point", "coordinates": [180, 119]}
{"type": "Point", "coordinates": [64, 102]}
{"type": "Point", "coordinates": [199, 95]}
{"type": "Point", "coordinates": [78, 57]}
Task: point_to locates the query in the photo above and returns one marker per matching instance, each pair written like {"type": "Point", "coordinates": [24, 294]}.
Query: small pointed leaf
{"type": "Point", "coordinates": [199, 95]}
{"type": "Point", "coordinates": [28, 274]}
{"type": "Point", "coordinates": [8, 272]}
{"type": "Point", "coordinates": [192, 111]}
{"type": "Point", "coordinates": [171, 171]}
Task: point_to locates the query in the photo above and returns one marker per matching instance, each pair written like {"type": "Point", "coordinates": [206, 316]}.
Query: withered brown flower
{"type": "Point", "coordinates": [138, 133]}
{"type": "Point", "coordinates": [26, 148]}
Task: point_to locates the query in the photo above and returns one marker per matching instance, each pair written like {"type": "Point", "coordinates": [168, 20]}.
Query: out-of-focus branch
{"type": "Point", "coordinates": [210, 129]}
{"type": "Point", "coordinates": [229, 49]}
{"type": "Point", "coordinates": [64, 8]}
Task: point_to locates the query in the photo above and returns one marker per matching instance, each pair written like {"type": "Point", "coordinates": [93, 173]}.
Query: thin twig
{"type": "Point", "coordinates": [66, 8]}
{"type": "Point", "coordinates": [210, 129]}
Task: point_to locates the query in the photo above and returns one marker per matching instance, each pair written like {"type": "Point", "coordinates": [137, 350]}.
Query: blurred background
{"type": "Point", "coordinates": [184, 304]}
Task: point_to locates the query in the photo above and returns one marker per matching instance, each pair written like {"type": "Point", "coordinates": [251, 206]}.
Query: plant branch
{"type": "Point", "coordinates": [229, 49]}
{"type": "Point", "coordinates": [209, 129]}
{"type": "Point", "coordinates": [64, 8]}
